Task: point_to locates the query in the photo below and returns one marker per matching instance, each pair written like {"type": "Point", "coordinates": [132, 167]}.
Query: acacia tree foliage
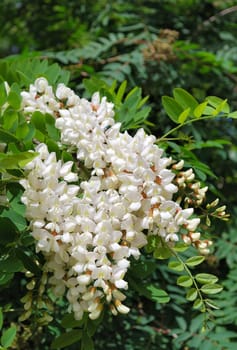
{"type": "Point", "coordinates": [159, 46]}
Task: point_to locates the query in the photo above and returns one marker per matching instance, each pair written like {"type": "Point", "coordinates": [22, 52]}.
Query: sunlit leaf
{"type": "Point", "coordinates": [198, 304]}
{"type": "Point", "coordinates": [172, 108]}
{"type": "Point", "coordinates": [176, 265]}
{"type": "Point", "coordinates": [233, 115]}
{"type": "Point", "coordinates": [218, 103]}
{"type": "Point", "coordinates": [185, 281]}
{"type": "Point", "coordinates": [121, 92]}
{"type": "Point", "coordinates": [206, 278]}
{"type": "Point", "coordinates": [8, 336]}
{"type": "Point", "coordinates": [162, 253]}
{"type": "Point", "coordinates": [195, 260]}
{"type": "Point", "coordinates": [180, 247]}
{"type": "Point", "coordinates": [192, 294]}
{"type": "Point", "coordinates": [158, 294]}
{"type": "Point", "coordinates": [14, 100]}
{"type": "Point", "coordinates": [211, 288]}
{"type": "Point", "coordinates": [184, 115]}
{"type": "Point", "coordinates": [198, 111]}
{"type": "Point", "coordinates": [185, 99]}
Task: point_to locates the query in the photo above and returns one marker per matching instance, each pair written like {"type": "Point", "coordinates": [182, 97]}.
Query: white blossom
{"type": "Point", "coordinates": [88, 239]}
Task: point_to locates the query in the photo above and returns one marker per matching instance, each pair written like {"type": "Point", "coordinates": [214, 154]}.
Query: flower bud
{"type": "Point", "coordinates": [96, 313]}
{"type": "Point", "coordinates": [192, 224]}
{"type": "Point", "coordinates": [120, 307]}
{"type": "Point", "coordinates": [186, 239]}
{"type": "Point", "coordinates": [221, 209]}
{"type": "Point", "coordinates": [195, 236]}
{"type": "Point", "coordinates": [179, 165]}
{"type": "Point", "coordinates": [30, 285]}
{"type": "Point", "coordinates": [118, 295]}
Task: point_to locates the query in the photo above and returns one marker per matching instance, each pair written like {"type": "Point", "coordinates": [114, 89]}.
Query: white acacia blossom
{"type": "Point", "coordinates": [88, 231]}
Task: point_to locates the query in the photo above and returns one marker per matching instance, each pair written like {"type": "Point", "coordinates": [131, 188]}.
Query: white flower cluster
{"type": "Point", "coordinates": [88, 231]}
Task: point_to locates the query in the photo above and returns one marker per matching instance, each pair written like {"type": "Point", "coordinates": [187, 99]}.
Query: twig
{"type": "Point", "coordinates": [220, 14]}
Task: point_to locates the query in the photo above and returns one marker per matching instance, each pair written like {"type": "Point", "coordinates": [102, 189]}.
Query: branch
{"type": "Point", "coordinates": [220, 14]}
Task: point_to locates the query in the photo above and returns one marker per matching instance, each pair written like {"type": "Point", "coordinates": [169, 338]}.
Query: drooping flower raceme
{"type": "Point", "coordinates": [89, 230]}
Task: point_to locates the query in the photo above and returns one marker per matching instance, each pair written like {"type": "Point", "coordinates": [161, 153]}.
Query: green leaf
{"type": "Point", "coordinates": [206, 278]}
{"type": "Point", "coordinates": [224, 107]}
{"type": "Point", "coordinates": [218, 103]}
{"type": "Point", "coordinates": [158, 295]}
{"type": "Point", "coordinates": [87, 342]}
{"type": "Point", "coordinates": [143, 269]}
{"type": "Point", "coordinates": [8, 337]}
{"type": "Point", "coordinates": [162, 253]}
{"type": "Point", "coordinates": [38, 120]}
{"type": "Point", "coordinates": [149, 291]}
{"type": "Point", "coordinates": [5, 278]}
{"type": "Point", "coordinates": [53, 146]}
{"type": "Point", "coordinates": [15, 217]}
{"type": "Point", "coordinates": [68, 321]}
{"type": "Point", "coordinates": [92, 325]}
{"type": "Point", "coordinates": [8, 230]}
{"type": "Point", "coordinates": [218, 143]}
{"type": "Point", "coordinates": [22, 131]}
{"type": "Point", "coordinates": [185, 281]}
{"type": "Point", "coordinates": [11, 264]}
{"type": "Point", "coordinates": [28, 261]}
{"type": "Point", "coordinates": [211, 304]}
{"type": "Point", "coordinates": [10, 120]}
{"type": "Point", "coordinates": [67, 339]}
{"type": "Point", "coordinates": [142, 102]}
{"type": "Point", "coordinates": [192, 294]}
{"type": "Point", "coordinates": [172, 108]}
{"type": "Point", "coordinates": [121, 92]}
{"type": "Point", "coordinates": [195, 260]}
{"type": "Point", "coordinates": [176, 265]}
{"type": "Point", "coordinates": [209, 110]}
{"type": "Point", "coordinates": [53, 132]}
{"type": "Point", "coordinates": [94, 84]}
{"type": "Point", "coordinates": [52, 72]}
{"type": "Point", "coordinates": [1, 318]}
{"type": "Point", "coordinates": [14, 100]}
{"type": "Point", "coordinates": [184, 115]}
{"type": "Point", "coordinates": [16, 212]}
{"type": "Point", "coordinates": [182, 323]}
{"type": "Point", "coordinates": [198, 304]}
{"type": "Point", "coordinates": [199, 110]}
{"type": "Point", "coordinates": [184, 98]}
{"type": "Point", "coordinates": [3, 94]}
{"type": "Point", "coordinates": [180, 247]}
{"type": "Point", "coordinates": [211, 288]}
{"type": "Point", "coordinates": [152, 242]}
{"type": "Point", "coordinates": [17, 160]}
{"type": "Point", "coordinates": [233, 115]}
{"type": "Point", "coordinates": [6, 136]}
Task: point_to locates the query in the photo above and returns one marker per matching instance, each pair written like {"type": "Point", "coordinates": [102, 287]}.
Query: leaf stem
{"type": "Point", "coordinates": [190, 275]}
{"type": "Point", "coordinates": [164, 137]}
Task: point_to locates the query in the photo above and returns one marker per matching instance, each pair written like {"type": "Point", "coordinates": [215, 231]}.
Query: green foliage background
{"type": "Point", "coordinates": [156, 45]}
